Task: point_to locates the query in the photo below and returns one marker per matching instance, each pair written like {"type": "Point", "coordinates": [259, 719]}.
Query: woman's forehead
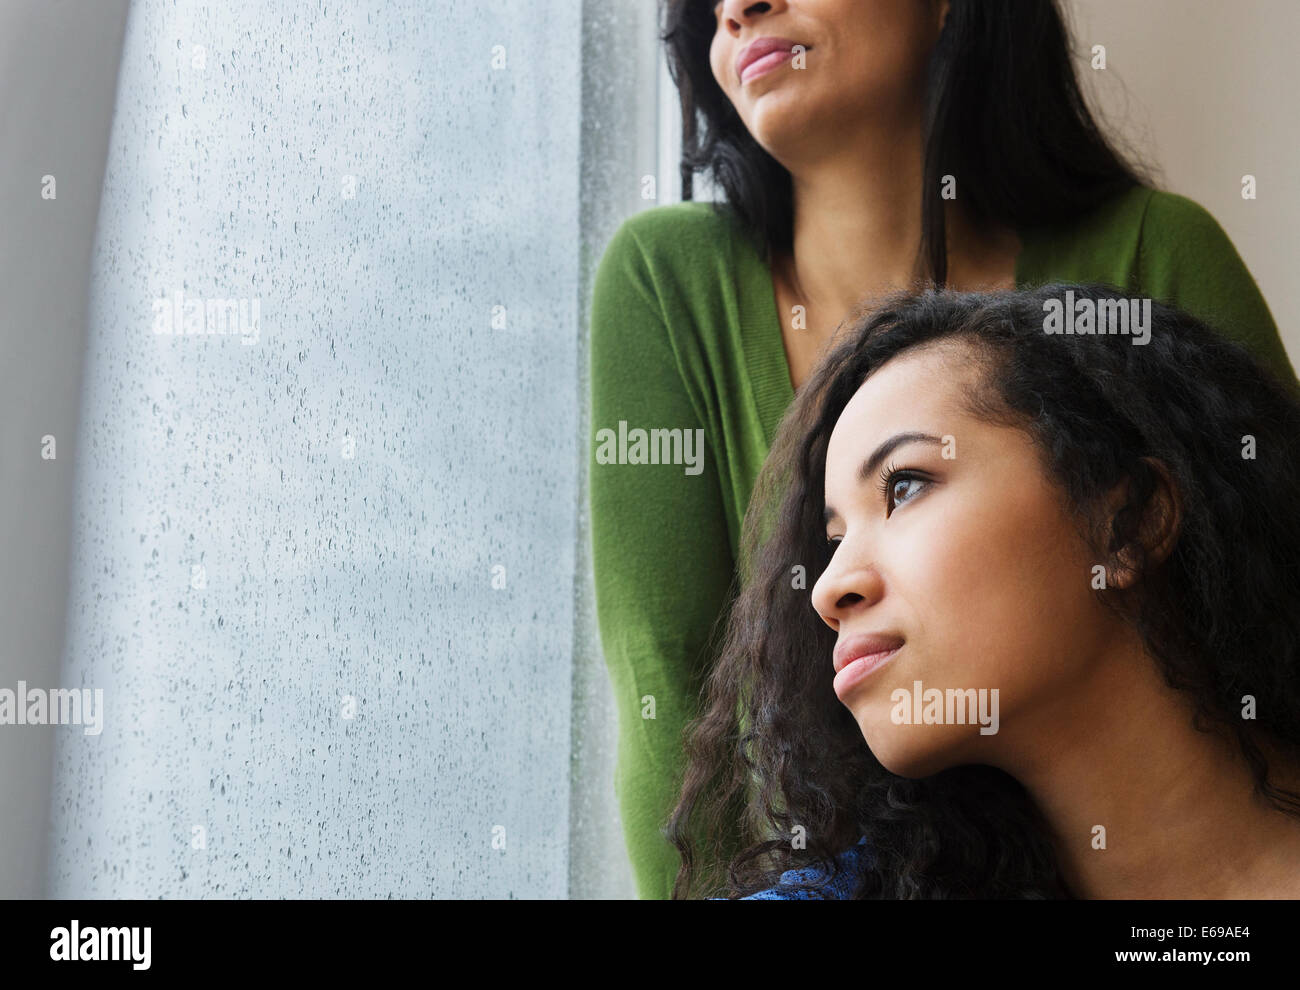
{"type": "Point", "coordinates": [930, 376]}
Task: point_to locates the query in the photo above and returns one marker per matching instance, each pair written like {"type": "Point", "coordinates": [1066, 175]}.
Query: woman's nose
{"type": "Point", "coordinates": [741, 11]}
{"type": "Point", "coordinates": [846, 585]}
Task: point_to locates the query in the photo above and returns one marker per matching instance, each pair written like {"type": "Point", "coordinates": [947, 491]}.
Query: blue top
{"type": "Point", "coordinates": [851, 863]}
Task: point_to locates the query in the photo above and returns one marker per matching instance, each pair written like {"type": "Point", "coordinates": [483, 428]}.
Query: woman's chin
{"type": "Point", "coordinates": [908, 751]}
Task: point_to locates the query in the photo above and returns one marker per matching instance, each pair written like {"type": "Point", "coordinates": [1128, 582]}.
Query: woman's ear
{"type": "Point", "coordinates": [1158, 530]}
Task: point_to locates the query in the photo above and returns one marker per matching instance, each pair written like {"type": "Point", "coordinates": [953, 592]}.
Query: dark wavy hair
{"type": "Point", "coordinates": [1003, 113]}
{"type": "Point", "coordinates": [1220, 614]}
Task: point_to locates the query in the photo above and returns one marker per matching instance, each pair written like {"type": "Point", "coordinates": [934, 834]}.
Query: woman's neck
{"type": "Point", "coordinates": [857, 227]}
{"type": "Point", "coordinates": [1141, 804]}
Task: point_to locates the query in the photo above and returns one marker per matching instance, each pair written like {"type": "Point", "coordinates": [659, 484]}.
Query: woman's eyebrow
{"type": "Point", "coordinates": [869, 466]}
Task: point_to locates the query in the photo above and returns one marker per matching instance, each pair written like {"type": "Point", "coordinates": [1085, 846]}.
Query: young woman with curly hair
{"type": "Point", "coordinates": [1100, 529]}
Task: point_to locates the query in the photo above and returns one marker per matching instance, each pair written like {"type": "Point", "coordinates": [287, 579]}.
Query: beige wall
{"type": "Point", "coordinates": [1206, 91]}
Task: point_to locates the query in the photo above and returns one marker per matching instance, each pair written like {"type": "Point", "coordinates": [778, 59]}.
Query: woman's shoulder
{"type": "Point", "coordinates": [676, 231]}
{"type": "Point", "coordinates": [813, 884]}
{"type": "Point", "coordinates": [1127, 241]}
{"type": "Point", "coordinates": [1159, 214]}
{"type": "Point", "coordinates": [1142, 215]}
{"type": "Point", "coordinates": [1168, 247]}
{"type": "Point", "coordinates": [686, 259]}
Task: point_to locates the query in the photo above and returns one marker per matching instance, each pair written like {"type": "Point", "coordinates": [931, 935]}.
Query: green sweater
{"type": "Point", "coordinates": [685, 336]}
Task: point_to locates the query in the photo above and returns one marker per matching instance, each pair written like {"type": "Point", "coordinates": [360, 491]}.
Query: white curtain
{"type": "Point", "coordinates": [328, 561]}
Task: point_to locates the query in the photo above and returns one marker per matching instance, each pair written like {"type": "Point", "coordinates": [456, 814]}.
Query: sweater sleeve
{"type": "Point", "coordinates": [660, 552]}
{"type": "Point", "coordinates": [1188, 260]}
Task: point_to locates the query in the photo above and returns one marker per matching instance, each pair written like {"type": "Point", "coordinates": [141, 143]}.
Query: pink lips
{"type": "Point", "coordinates": [873, 645]}
{"type": "Point", "coordinates": [761, 56]}
{"type": "Point", "coordinates": [858, 658]}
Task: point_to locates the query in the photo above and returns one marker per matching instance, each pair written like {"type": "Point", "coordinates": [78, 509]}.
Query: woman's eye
{"type": "Point", "coordinates": [899, 487]}
{"type": "Point", "coordinates": [902, 489]}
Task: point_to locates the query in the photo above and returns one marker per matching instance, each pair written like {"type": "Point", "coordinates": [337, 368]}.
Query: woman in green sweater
{"type": "Point", "coordinates": [862, 148]}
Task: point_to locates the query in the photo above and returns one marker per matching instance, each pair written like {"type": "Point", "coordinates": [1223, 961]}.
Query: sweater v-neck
{"type": "Point", "coordinates": [761, 336]}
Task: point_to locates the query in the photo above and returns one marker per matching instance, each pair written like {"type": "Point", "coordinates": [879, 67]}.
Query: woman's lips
{"type": "Point", "coordinates": [764, 65]}
{"type": "Point", "coordinates": [858, 656]}
{"type": "Point", "coordinates": [765, 54]}
{"type": "Point", "coordinates": [863, 644]}
{"type": "Point", "coordinates": [856, 671]}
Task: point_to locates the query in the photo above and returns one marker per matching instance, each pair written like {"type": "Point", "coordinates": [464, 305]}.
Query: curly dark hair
{"type": "Point", "coordinates": [1220, 614]}
{"type": "Point", "coordinates": [1003, 111]}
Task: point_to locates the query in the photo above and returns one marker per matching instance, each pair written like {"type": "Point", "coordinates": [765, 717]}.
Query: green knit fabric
{"type": "Point", "coordinates": [685, 335]}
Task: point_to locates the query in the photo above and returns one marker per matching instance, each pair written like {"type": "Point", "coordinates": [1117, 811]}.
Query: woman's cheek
{"type": "Point", "coordinates": [975, 575]}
